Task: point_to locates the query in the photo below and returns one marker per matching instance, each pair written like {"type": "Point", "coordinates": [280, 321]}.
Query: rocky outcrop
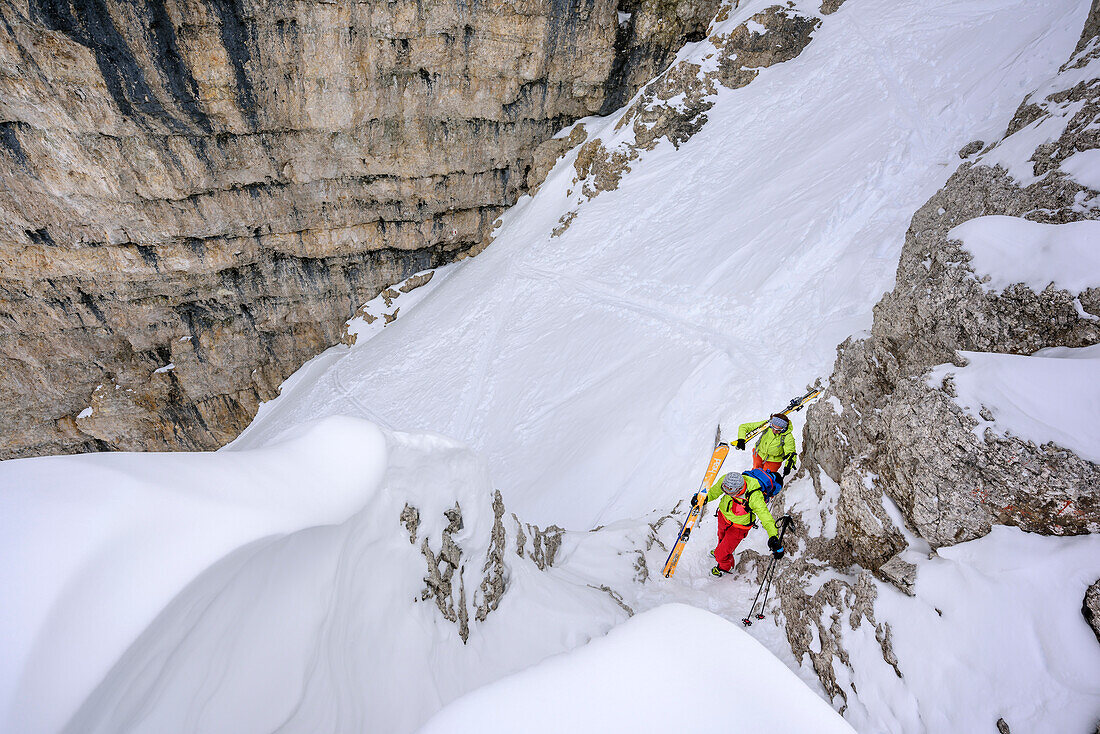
{"type": "Point", "coordinates": [445, 581]}
{"type": "Point", "coordinates": [447, 574]}
{"type": "Point", "coordinates": [815, 624]}
{"type": "Point", "coordinates": [896, 463]}
{"type": "Point", "coordinates": [544, 543]}
{"type": "Point", "coordinates": [673, 106]}
{"type": "Point", "coordinates": [1090, 607]}
{"type": "Point", "coordinates": [889, 430]}
{"type": "Point", "coordinates": [197, 195]}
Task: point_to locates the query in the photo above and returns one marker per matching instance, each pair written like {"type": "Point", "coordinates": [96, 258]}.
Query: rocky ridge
{"type": "Point", "coordinates": [896, 464]}
{"type": "Point", "coordinates": [218, 186]}
{"type": "Point", "coordinates": [883, 430]}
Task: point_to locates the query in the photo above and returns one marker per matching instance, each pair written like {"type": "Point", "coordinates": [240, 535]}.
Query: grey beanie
{"type": "Point", "coordinates": [733, 482]}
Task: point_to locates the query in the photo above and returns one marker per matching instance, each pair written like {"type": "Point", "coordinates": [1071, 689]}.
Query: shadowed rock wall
{"type": "Point", "coordinates": [217, 185]}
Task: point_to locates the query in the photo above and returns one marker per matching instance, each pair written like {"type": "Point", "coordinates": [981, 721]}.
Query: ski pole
{"type": "Point", "coordinates": [766, 582]}
{"type": "Point", "coordinates": [786, 520]}
{"type": "Point", "coordinates": [767, 574]}
{"type": "Point", "coordinates": [764, 604]}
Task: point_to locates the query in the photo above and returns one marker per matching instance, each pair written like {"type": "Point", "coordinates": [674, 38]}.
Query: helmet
{"type": "Point", "coordinates": [733, 483]}
{"type": "Point", "coordinates": [779, 423]}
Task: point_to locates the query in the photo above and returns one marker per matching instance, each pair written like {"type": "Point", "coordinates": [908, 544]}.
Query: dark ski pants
{"type": "Point", "coordinates": [729, 535]}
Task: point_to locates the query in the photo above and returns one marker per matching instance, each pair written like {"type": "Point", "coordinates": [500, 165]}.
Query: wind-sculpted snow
{"type": "Point", "coordinates": [271, 589]}
{"type": "Point", "coordinates": [97, 546]}
{"type": "Point", "coordinates": [645, 677]}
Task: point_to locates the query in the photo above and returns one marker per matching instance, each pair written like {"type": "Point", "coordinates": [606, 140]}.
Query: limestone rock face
{"type": "Point", "coordinates": [888, 434]}
{"type": "Point", "coordinates": [198, 194]}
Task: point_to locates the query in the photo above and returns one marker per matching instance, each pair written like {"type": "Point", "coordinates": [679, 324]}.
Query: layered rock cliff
{"type": "Point", "coordinates": [197, 195]}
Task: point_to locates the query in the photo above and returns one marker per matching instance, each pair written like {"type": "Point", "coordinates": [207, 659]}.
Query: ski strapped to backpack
{"type": "Point", "coordinates": [795, 405]}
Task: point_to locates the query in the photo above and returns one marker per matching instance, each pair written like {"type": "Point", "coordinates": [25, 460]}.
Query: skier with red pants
{"type": "Point", "coordinates": [741, 504]}
{"type": "Point", "coordinates": [775, 447]}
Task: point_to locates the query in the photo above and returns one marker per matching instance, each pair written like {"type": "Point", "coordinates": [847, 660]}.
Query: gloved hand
{"type": "Point", "coordinates": [740, 444]}
{"type": "Point", "coordinates": [691, 499]}
{"type": "Point", "coordinates": [776, 546]}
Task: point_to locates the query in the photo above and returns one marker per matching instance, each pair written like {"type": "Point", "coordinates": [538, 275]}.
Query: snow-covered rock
{"type": "Point", "coordinates": [1000, 262]}
{"type": "Point", "coordinates": [968, 407]}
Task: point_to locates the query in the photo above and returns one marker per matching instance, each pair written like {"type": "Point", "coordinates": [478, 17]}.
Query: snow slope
{"type": "Point", "coordinates": [270, 587]}
{"type": "Point", "coordinates": [649, 675]}
{"type": "Point", "coordinates": [255, 591]}
{"type": "Point", "coordinates": [718, 279]}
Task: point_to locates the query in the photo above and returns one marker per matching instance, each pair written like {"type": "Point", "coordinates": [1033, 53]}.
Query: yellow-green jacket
{"type": "Point", "coordinates": [736, 513]}
{"type": "Point", "coordinates": [771, 446]}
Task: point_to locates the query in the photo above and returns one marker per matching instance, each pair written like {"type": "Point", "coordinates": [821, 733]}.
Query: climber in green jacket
{"type": "Point", "coordinates": [775, 447]}
{"type": "Point", "coordinates": [741, 504]}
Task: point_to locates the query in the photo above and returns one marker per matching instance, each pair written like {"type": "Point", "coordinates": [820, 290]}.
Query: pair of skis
{"type": "Point", "coordinates": [717, 458]}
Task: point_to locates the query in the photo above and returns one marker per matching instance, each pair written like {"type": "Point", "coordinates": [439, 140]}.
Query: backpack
{"type": "Point", "coordinates": [770, 484]}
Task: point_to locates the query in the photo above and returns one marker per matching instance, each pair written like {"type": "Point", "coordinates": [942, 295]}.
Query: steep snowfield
{"type": "Point", "coordinates": [590, 368]}
{"type": "Point", "coordinates": [271, 587]}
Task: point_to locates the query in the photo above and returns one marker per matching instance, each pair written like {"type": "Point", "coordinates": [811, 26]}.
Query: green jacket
{"type": "Point", "coordinates": [736, 513]}
{"type": "Point", "coordinates": [771, 446]}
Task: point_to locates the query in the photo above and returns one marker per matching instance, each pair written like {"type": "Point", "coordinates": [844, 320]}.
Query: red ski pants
{"type": "Point", "coordinates": [729, 535]}
{"type": "Point", "coordinates": [758, 463]}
